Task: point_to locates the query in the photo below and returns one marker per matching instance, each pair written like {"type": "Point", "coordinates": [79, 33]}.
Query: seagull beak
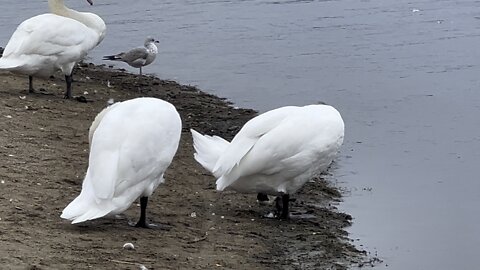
{"type": "Point", "coordinates": [90, 2]}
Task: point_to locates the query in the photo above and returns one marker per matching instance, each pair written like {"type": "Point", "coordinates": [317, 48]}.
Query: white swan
{"type": "Point", "coordinates": [274, 153]}
{"type": "Point", "coordinates": [133, 142]}
{"type": "Point", "coordinates": [137, 57]}
{"type": "Point", "coordinates": [49, 42]}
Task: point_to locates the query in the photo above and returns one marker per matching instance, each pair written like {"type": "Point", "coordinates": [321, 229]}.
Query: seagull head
{"type": "Point", "coordinates": [150, 40]}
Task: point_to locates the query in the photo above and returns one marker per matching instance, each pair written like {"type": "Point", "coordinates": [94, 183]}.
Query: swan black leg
{"type": "Point", "coordinates": [30, 85]}
{"type": "Point", "coordinates": [68, 80]}
{"type": "Point", "coordinates": [282, 205]}
{"type": "Point", "coordinates": [142, 222]}
{"type": "Point", "coordinates": [285, 211]}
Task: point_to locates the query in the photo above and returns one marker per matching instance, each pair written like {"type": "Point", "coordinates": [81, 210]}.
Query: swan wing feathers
{"type": "Point", "coordinates": [303, 137]}
{"type": "Point", "coordinates": [97, 121]}
{"type": "Point", "coordinates": [246, 138]}
{"type": "Point", "coordinates": [48, 35]}
{"type": "Point", "coordinates": [134, 143]}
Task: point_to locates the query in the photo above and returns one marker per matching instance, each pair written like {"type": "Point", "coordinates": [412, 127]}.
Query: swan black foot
{"type": "Point", "coordinates": [142, 222]}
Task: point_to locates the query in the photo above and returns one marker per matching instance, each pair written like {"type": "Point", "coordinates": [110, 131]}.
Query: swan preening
{"type": "Point", "coordinates": [137, 57]}
{"type": "Point", "coordinates": [132, 144]}
{"type": "Point", "coordinates": [54, 41]}
{"type": "Point", "coordinates": [274, 153]}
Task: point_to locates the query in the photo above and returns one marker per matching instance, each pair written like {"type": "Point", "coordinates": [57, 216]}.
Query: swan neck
{"type": "Point", "coordinates": [58, 7]}
{"type": "Point", "coordinates": [90, 20]}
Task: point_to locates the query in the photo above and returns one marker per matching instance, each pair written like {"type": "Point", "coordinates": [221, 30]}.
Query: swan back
{"type": "Point", "coordinates": [280, 150]}
{"type": "Point", "coordinates": [131, 148]}
{"type": "Point", "coordinates": [250, 133]}
{"type": "Point", "coordinates": [143, 134]}
{"type": "Point", "coordinates": [301, 142]}
{"type": "Point", "coordinates": [97, 121]}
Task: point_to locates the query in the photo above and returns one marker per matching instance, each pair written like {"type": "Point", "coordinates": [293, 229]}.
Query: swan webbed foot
{"type": "Point", "coordinates": [262, 198]}
{"type": "Point", "coordinates": [142, 222]}
{"type": "Point", "coordinates": [152, 226]}
{"type": "Point", "coordinates": [81, 99]}
{"type": "Point", "coordinates": [41, 91]}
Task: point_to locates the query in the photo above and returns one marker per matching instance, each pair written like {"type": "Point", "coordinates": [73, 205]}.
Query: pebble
{"type": "Point", "coordinates": [128, 246]}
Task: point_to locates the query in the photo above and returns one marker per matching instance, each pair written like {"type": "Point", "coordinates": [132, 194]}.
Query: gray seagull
{"type": "Point", "coordinates": [138, 57]}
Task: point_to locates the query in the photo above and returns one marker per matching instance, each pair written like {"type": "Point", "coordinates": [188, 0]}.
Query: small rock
{"type": "Point", "coordinates": [128, 246]}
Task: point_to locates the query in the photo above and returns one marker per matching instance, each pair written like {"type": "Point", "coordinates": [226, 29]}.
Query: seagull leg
{"type": "Point", "coordinates": [30, 85]}
{"type": "Point", "coordinates": [68, 80]}
{"type": "Point", "coordinates": [140, 70]}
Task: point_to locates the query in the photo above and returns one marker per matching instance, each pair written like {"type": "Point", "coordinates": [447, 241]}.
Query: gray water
{"type": "Point", "coordinates": [404, 75]}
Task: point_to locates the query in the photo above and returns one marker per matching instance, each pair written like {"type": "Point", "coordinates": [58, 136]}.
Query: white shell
{"type": "Point", "coordinates": [128, 246]}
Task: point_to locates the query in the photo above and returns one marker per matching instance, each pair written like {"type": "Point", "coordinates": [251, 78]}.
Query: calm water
{"type": "Point", "coordinates": [404, 74]}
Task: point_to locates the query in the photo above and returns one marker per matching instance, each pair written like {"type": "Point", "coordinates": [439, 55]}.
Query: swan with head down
{"type": "Point", "coordinates": [132, 143]}
{"type": "Point", "coordinates": [275, 153]}
{"type": "Point", "coordinates": [53, 41]}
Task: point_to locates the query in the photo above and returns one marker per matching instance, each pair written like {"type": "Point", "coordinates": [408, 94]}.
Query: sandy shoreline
{"type": "Point", "coordinates": [44, 149]}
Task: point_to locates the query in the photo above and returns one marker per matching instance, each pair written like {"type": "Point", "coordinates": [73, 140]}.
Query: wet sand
{"type": "Point", "coordinates": [44, 150]}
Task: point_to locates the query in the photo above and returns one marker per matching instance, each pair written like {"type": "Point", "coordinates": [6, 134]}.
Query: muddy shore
{"type": "Point", "coordinates": [44, 153]}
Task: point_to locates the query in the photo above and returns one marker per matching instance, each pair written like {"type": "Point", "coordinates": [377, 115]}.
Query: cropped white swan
{"type": "Point", "coordinates": [137, 57]}
{"type": "Point", "coordinates": [49, 42]}
{"type": "Point", "coordinates": [274, 153]}
{"type": "Point", "coordinates": [132, 144]}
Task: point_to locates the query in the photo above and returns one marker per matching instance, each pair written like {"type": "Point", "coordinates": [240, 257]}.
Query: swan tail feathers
{"type": "Point", "coordinates": [83, 209]}
{"type": "Point", "coordinates": [9, 64]}
{"type": "Point", "coordinates": [87, 207]}
{"type": "Point", "coordinates": [223, 182]}
{"type": "Point", "coordinates": [208, 149]}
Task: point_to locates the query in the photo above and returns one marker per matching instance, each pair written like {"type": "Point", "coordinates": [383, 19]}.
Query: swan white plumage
{"type": "Point", "coordinates": [132, 144]}
{"type": "Point", "coordinates": [54, 41]}
{"type": "Point", "coordinates": [274, 153]}
{"type": "Point", "coordinates": [137, 57]}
